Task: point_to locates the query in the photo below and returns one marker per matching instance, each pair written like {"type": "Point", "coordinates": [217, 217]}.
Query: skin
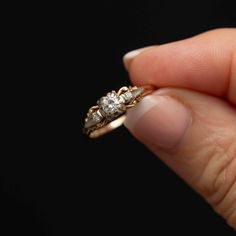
{"type": "Point", "coordinates": [196, 81]}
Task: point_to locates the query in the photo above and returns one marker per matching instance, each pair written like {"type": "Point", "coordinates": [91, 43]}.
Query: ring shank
{"type": "Point", "coordinates": [107, 128]}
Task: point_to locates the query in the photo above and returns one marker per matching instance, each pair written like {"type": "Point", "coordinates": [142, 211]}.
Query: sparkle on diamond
{"type": "Point", "coordinates": [111, 105]}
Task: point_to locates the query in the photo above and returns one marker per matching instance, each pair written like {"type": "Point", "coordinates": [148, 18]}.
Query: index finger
{"type": "Point", "coordinates": [205, 63]}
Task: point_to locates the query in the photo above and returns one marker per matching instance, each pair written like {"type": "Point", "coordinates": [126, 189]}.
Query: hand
{"type": "Point", "coordinates": [190, 121]}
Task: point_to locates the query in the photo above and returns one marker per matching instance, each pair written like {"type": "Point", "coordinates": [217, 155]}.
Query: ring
{"type": "Point", "coordinates": [110, 111]}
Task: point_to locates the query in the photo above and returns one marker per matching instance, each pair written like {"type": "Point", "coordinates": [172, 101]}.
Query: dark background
{"type": "Point", "coordinates": [60, 59]}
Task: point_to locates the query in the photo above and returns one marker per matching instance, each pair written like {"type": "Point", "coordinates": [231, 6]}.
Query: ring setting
{"type": "Point", "coordinates": [110, 110]}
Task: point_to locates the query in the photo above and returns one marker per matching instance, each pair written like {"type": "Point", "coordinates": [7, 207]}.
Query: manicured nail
{"type": "Point", "coordinates": [159, 120]}
{"type": "Point", "coordinates": [128, 57]}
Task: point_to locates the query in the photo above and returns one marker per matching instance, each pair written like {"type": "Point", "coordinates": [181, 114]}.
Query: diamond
{"type": "Point", "coordinates": [111, 106]}
{"type": "Point", "coordinates": [137, 92]}
{"type": "Point", "coordinates": [96, 117]}
{"type": "Point", "coordinates": [128, 96]}
{"type": "Point", "coordinates": [93, 119]}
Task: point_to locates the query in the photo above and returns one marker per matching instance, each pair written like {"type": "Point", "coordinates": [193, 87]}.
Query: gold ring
{"type": "Point", "coordinates": [109, 113]}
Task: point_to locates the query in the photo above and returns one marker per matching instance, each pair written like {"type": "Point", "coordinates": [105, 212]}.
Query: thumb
{"type": "Point", "coordinates": [195, 134]}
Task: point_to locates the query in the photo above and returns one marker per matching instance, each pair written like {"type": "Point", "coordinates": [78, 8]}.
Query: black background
{"type": "Point", "coordinates": [60, 59]}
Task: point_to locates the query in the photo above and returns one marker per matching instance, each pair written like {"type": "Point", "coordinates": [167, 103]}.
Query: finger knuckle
{"type": "Point", "coordinates": [219, 182]}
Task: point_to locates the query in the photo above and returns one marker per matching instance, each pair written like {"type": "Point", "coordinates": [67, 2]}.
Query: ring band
{"type": "Point", "coordinates": [110, 111]}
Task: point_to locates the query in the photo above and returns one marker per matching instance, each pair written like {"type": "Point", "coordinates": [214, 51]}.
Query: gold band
{"type": "Point", "coordinates": [109, 113]}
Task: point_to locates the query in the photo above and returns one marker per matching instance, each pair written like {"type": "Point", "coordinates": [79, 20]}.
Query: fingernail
{"type": "Point", "coordinates": [128, 57]}
{"type": "Point", "coordinates": [159, 120]}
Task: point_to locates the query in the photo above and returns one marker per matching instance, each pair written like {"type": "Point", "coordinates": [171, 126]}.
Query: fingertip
{"type": "Point", "coordinates": [130, 56]}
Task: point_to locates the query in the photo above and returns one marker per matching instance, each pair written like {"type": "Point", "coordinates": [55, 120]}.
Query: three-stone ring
{"type": "Point", "coordinates": [109, 113]}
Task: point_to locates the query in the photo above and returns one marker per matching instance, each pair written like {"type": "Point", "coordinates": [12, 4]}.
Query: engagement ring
{"type": "Point", "coordinates": [109, 113]}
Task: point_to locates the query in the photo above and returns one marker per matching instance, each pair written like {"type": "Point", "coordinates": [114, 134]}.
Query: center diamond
{"type": "Point", "coordinates": [111, 106]}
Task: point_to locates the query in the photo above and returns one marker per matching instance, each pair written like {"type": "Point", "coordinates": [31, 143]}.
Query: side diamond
{"type": "Point", "coordinates": [137, 92]}
{"type": "Point", "coordinates": [93, 119]}
{"type": "Point", "coordinates": [128, 96]}
{"type": "Point", "coordinates": [96, 117]}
